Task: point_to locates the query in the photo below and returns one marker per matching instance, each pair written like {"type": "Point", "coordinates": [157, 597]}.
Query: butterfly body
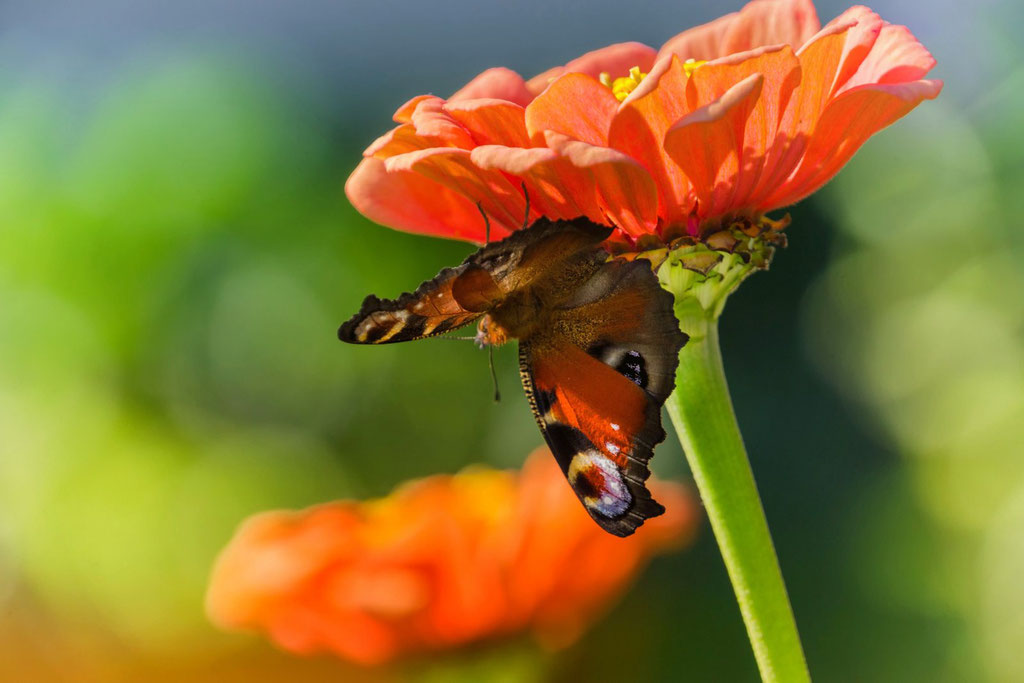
{"type": "Point", "coordinates": [598, 349]}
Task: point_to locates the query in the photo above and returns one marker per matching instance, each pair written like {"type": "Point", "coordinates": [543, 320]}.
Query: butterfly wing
{"type": "Point", "coordinates": [460, 295]}
{"type": "Point", "coordinates": [431, 310]}
{"type": "Point", "coordinates": [597, 379]}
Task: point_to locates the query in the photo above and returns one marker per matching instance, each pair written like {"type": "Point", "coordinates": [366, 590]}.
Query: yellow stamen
{"type": "Point", "coordinates": [621, 87]}
{"type": "Point", "coordinates": [691, 65]}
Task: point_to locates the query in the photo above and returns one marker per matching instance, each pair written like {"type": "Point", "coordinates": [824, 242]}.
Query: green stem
{"type": "Point", "coordinates": [702, 413]}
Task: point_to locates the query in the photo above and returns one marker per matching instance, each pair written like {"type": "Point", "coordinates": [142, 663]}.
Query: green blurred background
{"type": "Point", "coordinates": [176, 254]}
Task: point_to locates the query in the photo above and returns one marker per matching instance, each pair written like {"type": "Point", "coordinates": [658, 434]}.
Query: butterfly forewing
{"type": "Point", "coordinates": [431, 310]}
{"type": "Point", "coordinates": [460, 295]}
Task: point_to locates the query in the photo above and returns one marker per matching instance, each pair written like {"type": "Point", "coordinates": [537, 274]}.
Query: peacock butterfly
{"type": "Point", "coordinates": [598, 350]}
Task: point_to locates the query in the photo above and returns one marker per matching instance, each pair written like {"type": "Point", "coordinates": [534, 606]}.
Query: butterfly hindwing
{"type": "Point", "coordinates": [597, 380]}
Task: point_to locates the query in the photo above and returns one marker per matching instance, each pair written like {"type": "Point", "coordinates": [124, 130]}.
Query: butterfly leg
{"type": "Point", "coordinates": [526, 196]}
{"type": "Point", "coordinates": [487, 223]}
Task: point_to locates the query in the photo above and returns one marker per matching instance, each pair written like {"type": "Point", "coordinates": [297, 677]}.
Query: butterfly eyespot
{"type": "Point", "coordinates": [614, 426]}
{"type": "Point", "coordinates": [634, 368]}
{"type": "Point", "coordinates": [627, 362]}
{"type": "Point", "coordinates": [612, 448]}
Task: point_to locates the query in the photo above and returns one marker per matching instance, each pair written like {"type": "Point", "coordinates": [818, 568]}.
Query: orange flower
{"type": "Point", "coordinates": [440, 562]}
{"type": "Point", "coordinates": [751, 112]}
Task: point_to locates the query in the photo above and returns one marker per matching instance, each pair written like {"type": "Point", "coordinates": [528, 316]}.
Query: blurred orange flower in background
{"type": "Point", "coordinates": [748, 113]}
{"type": "Point", "coordinates": [438, 563]}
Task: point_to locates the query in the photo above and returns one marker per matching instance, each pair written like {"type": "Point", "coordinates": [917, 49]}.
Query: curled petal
{"type": "Point", "coordinates": [849, 120]}
{"type": "Point", "coordinates": [556, 189]}
{"type": "Point", "coordinates": [404, 113]}
{"type": "Point", "coordinates": [575, 105]}
{"type": "Point", "coordinates": [759, 23]}
{"type": "Point", "coordinates": [820, 60]}
{"type": "Point", "coordinates": [616, 60]}
{"type": "Point", "coordinates": [406, 200]}
{"type": "Point", "coordinates": [571, 178]}
{"type": "Point", "coordinates": [760, 154]}
{"type": "Point", "coordinates": [639, 128]}
{"type": "Point", "coordinates": [896, 57]}
{"type": "Point", "coordinates": [433, 122]}
{"type": "Point", "coordinates": [708, 145]}
{"type": "Point", "coordinates": [502, 201]}
{"type": "Point", "coordinates": [398, 140]}
{"type": "Point", "coordinates": [497, 83]}
{"type": "Point", "coordinates": [626, 192]}
{"type": "Point", "coordinates": [835, 53]}
{"type": "Point", "coordinates": [491, 122]}
{"type": "Point", "coordinates": [429, 126]}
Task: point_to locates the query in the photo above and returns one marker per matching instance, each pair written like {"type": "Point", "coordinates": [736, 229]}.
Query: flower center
{"type": "Point", "coordinates": [691, 64]}
{"type": "Point", "coordinates": [622, 86]}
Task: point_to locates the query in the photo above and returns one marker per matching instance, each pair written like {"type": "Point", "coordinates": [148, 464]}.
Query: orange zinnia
{"type": "Point", "coordinates": [440, 562]}
{"type": "Point", "coordinates": [748, 113]}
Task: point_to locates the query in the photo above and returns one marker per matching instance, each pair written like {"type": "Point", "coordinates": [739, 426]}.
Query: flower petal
{"type": "Point", "coordinates": [429, 126]}
{"type": "Point", "coordinates": [398, 140]}
{"type": "Point", "coordinates": [575, 105]}
{"type": "Point", "coordinates": [437, 563]}
{"type": "Point", "coordinates": [497, 83]}
{"type": "Point", "coordinates": [847, 122]}
{"type": "Point", "coordinates": [700, 43]}
{"type": "Point", "coordinates": [759, 23]}
{"type": "Point", "coordinates": [639, 128]}
{"type": "Point", "coordinates": [434, 123]}
{"type": "Point", "coordinates": [759, 155]}
{"type": "Point", "coordinates": [895, 57]}
{"type": "Point", "coordinates": [626, 192]}
{"type": "Point", "coordinates": [404, 113]}
{"type": "Point", "coordinates": [820, 60]}
{"type": "Point", "coordinates": [406, 200]}
{"type": "Point", "coordinates": [708, 144]}
{"type": "Point", "coordinates": [491, 121]}
{"type": "Point", "coordinates": [451, 167]}
{"type": "Point", "coordinates": [557, 190]}
{"type": "Point", "coordinates": [835, 53]}
{"type": "Point", "coordinates": [616, 60]}
{"type": "Point", "coordinates": [538, 83]}
{"type": "Point", "coordinates": [245, 589]}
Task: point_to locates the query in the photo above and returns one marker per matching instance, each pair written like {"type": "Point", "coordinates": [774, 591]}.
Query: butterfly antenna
{"type": "Point", "coordinates": [494, 375]}
{"type": "Point", "coordinates": [487, 224]}
{"type": "Point", "coordinates": [526, 195]}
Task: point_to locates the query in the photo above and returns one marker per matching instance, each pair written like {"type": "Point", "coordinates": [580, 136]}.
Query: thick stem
{"type": "Point", "coordinates": [702, 413]}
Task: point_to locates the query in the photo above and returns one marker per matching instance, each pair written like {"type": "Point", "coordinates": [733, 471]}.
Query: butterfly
{"type": "Point", "coordinates": [598, 350]}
